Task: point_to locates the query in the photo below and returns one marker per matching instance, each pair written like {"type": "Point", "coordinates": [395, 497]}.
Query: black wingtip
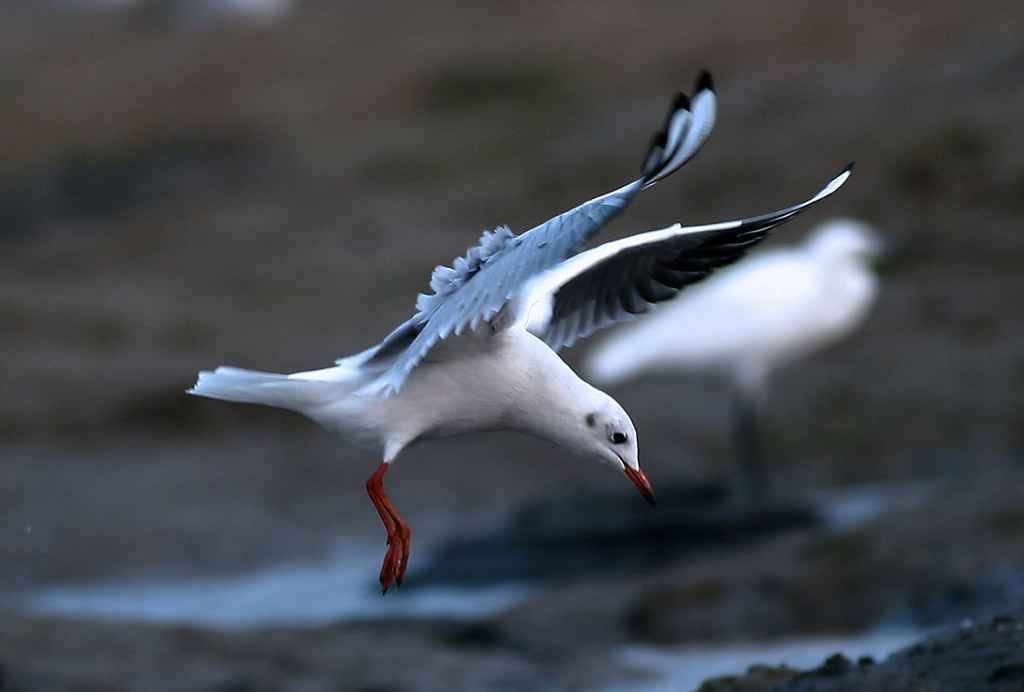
{"type": "Point", "coordinates": [655, 154]}
{"type": "Point", "coordinates": [679, 102]}
{"type": "Point", "coordinates": [849, 167]}
{"type": "Point", "coordinates": [704, 82]}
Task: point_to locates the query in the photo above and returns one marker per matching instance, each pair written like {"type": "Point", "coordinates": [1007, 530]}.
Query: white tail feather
{"type": "Point", "coordinates": [254, 387]}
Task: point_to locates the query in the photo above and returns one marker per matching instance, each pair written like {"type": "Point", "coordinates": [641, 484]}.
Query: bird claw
{"type": "Point", "coordinates": [397, 559]}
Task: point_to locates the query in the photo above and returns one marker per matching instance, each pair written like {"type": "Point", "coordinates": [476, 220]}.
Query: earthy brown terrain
{"type": "Point", "coordinates": [176, 196]}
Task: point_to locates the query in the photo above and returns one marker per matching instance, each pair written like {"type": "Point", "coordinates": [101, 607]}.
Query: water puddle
{"type": "Point", "coordinates": [340, 588]}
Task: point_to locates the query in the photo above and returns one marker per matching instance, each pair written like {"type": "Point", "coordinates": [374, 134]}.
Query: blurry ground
{"type": "Point", "coordinates": [174, 197]}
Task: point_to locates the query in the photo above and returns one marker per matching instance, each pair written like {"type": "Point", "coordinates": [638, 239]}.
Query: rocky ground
{"type": "Point", "coordinates": [173, 197]}
{"type": "Point", "coordinates": [986, 655]}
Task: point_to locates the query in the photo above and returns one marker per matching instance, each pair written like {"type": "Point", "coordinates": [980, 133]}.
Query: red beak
{"type": "Point", "coordinates": [642, 484]}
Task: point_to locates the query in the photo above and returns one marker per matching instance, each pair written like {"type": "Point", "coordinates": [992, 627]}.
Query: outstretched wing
{"type": "Point", "coordinates": [626, 277]}
{"type": "Point", "coordinates": [479, 284]}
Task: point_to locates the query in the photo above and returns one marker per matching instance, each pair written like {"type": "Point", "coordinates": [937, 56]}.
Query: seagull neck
{"type": "Point", "coordinates": [555, 400]}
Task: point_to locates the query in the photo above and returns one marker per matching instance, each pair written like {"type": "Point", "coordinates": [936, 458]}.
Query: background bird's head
{"type": "Point", "coordinates": [848, 239]}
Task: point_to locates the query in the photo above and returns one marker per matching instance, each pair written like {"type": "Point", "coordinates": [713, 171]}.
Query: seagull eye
{"type": "Point", "coordinates": [618, 437]}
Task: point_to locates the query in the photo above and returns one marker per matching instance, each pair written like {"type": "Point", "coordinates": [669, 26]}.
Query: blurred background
{"type": "Point", "coordinates": [269, 184]}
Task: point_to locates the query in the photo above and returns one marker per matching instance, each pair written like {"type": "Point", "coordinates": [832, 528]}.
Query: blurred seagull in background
{"type": "Point", "coordinates": [480, 353]}
{"type": "Point", "coordinates": [751, 319]}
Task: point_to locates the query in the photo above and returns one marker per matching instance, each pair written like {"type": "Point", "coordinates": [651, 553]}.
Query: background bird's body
{"type": "Point", "coordinates": [752, 318]}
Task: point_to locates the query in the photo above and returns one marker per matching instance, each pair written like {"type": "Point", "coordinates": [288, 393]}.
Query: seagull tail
{"type": "Point", "coordinates": [254, 387]}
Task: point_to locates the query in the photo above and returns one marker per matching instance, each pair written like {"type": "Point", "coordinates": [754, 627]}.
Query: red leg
{"type": "Point", "coordinates": [397, 558]}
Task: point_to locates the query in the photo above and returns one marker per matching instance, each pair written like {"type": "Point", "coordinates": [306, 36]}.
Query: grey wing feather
{"type": "Point", "coordinates": [641, 274]}
{"type": "Point", "coordinates": [479, 284]}
{"type": "Point", "coordinates": [481, 294]}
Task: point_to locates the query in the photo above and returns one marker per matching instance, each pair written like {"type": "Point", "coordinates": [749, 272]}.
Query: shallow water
{"type": "Point", "coordinates": [343, 585]}
{"type": "Point", "coordinates": [339, 588]}
{"type": "Point", "coordinates": [342, 588]}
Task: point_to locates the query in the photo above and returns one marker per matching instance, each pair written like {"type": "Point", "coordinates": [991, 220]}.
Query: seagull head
{"type": "Point", "coordinates": [609, 436]}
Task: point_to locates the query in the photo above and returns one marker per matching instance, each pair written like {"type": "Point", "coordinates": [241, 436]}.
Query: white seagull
{"type": "Point", "coordinates": [480, 353]}
{"type": "Point", "coordinates": [751, 319]}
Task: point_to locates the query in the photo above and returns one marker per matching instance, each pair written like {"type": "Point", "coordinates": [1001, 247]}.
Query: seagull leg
{"type": "Point", "coordinates": [397, 558]}
{"type": "Point", "coordinates": [746, 406]}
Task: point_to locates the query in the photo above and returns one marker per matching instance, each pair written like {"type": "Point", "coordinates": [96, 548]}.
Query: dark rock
{"type": "Point", "coordinates": [598, 535]}
{"type": "Point", "coordinates": [758, 678]}
{"type": "Point", "coordinates": [973, 656]}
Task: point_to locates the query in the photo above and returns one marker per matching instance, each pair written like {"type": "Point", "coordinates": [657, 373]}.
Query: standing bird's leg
{"type": "Point", "coordinates": [746, 408]}
{"type": "Point", "coordinates": [397, 558]}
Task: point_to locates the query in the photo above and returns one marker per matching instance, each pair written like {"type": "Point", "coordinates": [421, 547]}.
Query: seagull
{"type": "Point", "coordinates": [481, 351]}
{"type": "Point", "coordinates": [751, 319]}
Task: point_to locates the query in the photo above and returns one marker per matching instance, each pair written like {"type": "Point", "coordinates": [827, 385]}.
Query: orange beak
{"type": "Point", "coordinates": [642, 484]}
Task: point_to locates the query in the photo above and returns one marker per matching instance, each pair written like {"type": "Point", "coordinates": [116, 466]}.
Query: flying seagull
{"type": "Point", "coordinates": [480, 352]}
{"type": "Point", "coordinates": [751, 319]}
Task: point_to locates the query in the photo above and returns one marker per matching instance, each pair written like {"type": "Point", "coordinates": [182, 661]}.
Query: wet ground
{"type": "Point", "coordinates": [173, 197]}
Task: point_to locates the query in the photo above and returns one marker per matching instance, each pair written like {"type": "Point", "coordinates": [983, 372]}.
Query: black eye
{"type": "Point", "coordinates": [618, 437]}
